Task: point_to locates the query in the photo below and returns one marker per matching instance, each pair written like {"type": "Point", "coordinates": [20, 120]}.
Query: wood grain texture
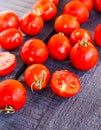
{"type": "Point", "coordinates": [44, 110]}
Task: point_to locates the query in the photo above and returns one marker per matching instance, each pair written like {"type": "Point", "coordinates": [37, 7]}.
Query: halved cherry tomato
{"type": "Point", "coordinates": [65, 83]}
{"type": "Point", "coordinates": [46, 9]}
{"type": "Point", "coordinates": [79, 35]}
{"type": "Point", "coordinates": [77, 9]}
{"type": "Point", "coordinates": [97, 5]}
{"type": "Point", "coordinates": [59, 46]}
{"type": "Point", "coordinates": [10, 38]}
{"type": "Point", "coordinates": [12, 96]}
{"type": "Point", "coordinates": [84, 55]}
{"type": "Point", "coordinates": [8, 19]}
{"type": "Point", "coordinates": [7, 63]}
{"type": "Point", "coordinates": [34, 51]}
{"type": "Point", "coordinates": [66, 24]}
{"type": "Point", "coordinates": [31, 24]}
{"type": "Point", "coordinates": [97, 35]}
{"type": "Point", "coordinates": [37, 76]}
{"type": "Point", "coordinates": [88, 3]}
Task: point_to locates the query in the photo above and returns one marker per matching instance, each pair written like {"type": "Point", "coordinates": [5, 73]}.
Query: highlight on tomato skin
{"type": "Point", "coordinates": [65, 83]}
{"type": "Point", "coordinates": [37, 76]}
{"type": "Point", "coordinates": [13, 96]}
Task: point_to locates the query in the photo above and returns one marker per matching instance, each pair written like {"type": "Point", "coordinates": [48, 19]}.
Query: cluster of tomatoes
{"type": "Point", "coordinates": [70, 42]}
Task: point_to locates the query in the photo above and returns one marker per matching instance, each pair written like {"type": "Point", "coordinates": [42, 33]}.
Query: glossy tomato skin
{"type": "Point", "coordinates": [8, 19]}
{"type": "Point", "coordinates": [11, 38]}
{"type": "Point", "coordinates": [59, 46]}
{"type": "Point", "coordinates": [31, 24]}
{"type": "Point", "coordinates": [34, 51]}
{"type": "Point", "coordinates": [97, 5]}
{"type": "Point", "coordinates": [88, 3]}
{"type": "Point", "coordinates": [66, 24]}
{"type": "Point", "coordinates": [37, 76]}
{"type": "Point", "coordinates": [64, 83]}
{"type": "Point", "coordinates": [77, 9]}
{"type": "Point", "coordinates": [46, 9]}
{"type": "Point", "coordinates": [97, 35]}
{"type": "Point", "coordinates": [7, 63]}
{"type": "Point", "coordinates": [84, 56]}
{"type": "Point", "coordinates": [55, 2]}
{"type": "Point", "coordinates": [79, 35]}
{"type": "Point", "coordinates": [12, 95]}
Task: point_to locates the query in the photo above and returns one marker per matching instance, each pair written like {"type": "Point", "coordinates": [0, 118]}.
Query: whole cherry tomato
{"type": "Point", "coordinates": [84, 55]}
{"type": "Point", "coordinates": [80, 34]}
{"type": "Point", "coordinates": [77, 9]}
{"type": "Point", "coordinates": [66, 24]}
{"type": "Point", "coordinates": [8, 19]}
{"type": "Point", "coordinates": [10, 38]}
{"type": "Point", "coordinates": [46, 9]}
{"type": "Point", "coordinates": [37, 76]}
{"type": "Point", "coordinates": [97, 5]}
{"type": "Point", "coordinates": [34, 51]}
{"type": "Point", "coordinates": [88, 3]}
{"type": "Point", "coordinates": [31, 24]}
{"type": "Point", "coordinates": [65, 83]}
{"type": "Point", "coordinates": [97, 35]}
{"type": "Point", "coordinates": [12, 96]}
{"type": "Point", "coordinates": [59, 46]}
{"type": "Point", "coordinates": [7, 63]}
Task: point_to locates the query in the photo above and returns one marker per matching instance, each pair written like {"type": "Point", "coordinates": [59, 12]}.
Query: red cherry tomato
{"type": "Point", "coordinates": [64, 83]}
{"type": "Point", "coordinates": [12, 96]}
{"type": "Point", "coordinates": [46, 9]}
{"type": "Point", "coordinates": [97, 35]}
{"type": "Point", "coordinates": [34, 51]}
{"type": "Point", "coordinates": [84, 55]}
{"type": "Point", "coordinates": [88, 3]}
{"type": "Point", "coordinates": [79, 35]}
{"type": "Point", "coordinates": [97, 5]}
{"type": "Point", "coordinates": [10, 38]}
{"type": "Point", "coordinates": [31, 24]}
{"type": "Point", "coordinates": [37, 76]}
{"type": "Point", "coordinates": [77, 9]}
{"type": "Point", "coordinates": [59, 46]}
{"type": "Point", "coordinates": [7, 63]}
{"type": "Point", "coordinates": [8, 19]}
{"type": "Point", "coordinates": [66, 24]}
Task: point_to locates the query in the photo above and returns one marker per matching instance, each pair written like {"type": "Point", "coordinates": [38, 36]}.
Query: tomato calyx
{"type": "Point", "coordinates": [84, 43]}
{"type": "Point", "coordinates": [38, 82]}
{"type": "Point", "coordinates": [8, 110]}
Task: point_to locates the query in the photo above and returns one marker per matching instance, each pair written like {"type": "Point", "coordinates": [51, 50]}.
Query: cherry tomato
{"type": "Point", "coordinates": [97, 35]}
{"type": "Point", "coordinates": [80, 34]}
{"type": "Point", "coordinates": [34, 51]}
{"type": "Point", "coordinates": [46, 9]}
{"type": "Point", "coordinates": [77, 9]}
{"type": "Point", "coordinates": [84, 55]}
{"type": "Point", "coordinates": [59, 46]}
{"type": "Point", "coordinates": [88, 3]}
{"type": "Point", "coordinates": [12, 96]}
{"type": "Point", "coordinates": [31, 24]}
{"type": "Point", "coordinates": [97, 5]}
{"type": "Point", "coordinates": [10, 38]}
{"type": "Point", "coordinates": [66, 24]}
{"type": "Point", "coordinates": [8, 19]}
{"type": "Point", "coordinates": [7, 63]}
{"type": "Point", "coordinates": [65, 83]}
{"type": "Point", "coordinates": [37, 76]}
